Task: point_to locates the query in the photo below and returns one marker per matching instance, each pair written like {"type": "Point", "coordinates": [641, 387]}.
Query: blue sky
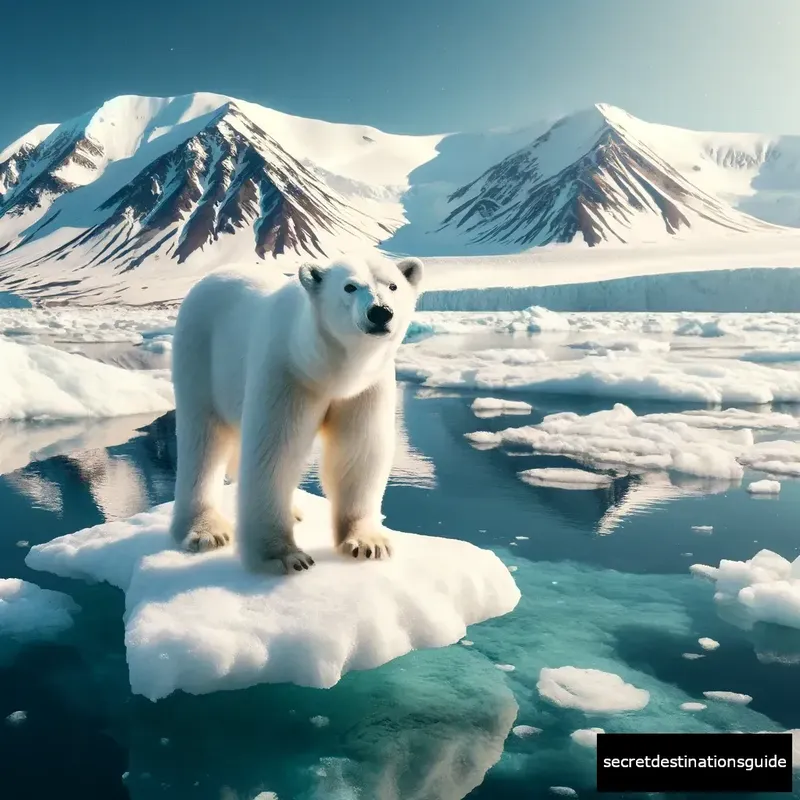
{"type": "Point", "coordinates": [415, 66]}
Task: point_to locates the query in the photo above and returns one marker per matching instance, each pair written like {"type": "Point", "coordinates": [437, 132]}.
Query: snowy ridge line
{"type": "Point", "coordinates": [753, 289]}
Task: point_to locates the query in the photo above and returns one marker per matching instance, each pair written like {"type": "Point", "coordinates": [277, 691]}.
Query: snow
{"type": "Point", "coordinates": [729, 697]}
{"type": "Point", "coordinates": [765, 588]}
{"type": "Point", "coordinates": [492, 407]}
{"type": "Point", "coordinates": [586, 737]}
{"type": "Point", "coordinates": [764, 487]}
{"type": "Point", "coordinates": [590, 690]}
{"type": "Point", "coordinates": [693, 706]}
{"type": "Point", "coordinates": [708, 644]}
{"type": "Point", "coordinates": [649, 442]}
{"type": "Point", "coordinates": [41, 382]}
{"type": "Point", "coordinates": [27, 611]}
{"type": "Point", "coordinates": [249, 631]}
{"type": "Point", "coordinates": [565, 478]}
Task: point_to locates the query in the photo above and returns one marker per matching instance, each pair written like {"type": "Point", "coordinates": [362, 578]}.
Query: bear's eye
{"type": "Point", "coordinates": [350, 288]}
{"type": "Point", "coordinates": [392, 287]}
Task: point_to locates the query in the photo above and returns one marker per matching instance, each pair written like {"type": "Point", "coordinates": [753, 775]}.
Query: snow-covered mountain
{"type": "Point", "coordinates": [605, 176]}
{"type": "Point", "coordinates": [134, 201]}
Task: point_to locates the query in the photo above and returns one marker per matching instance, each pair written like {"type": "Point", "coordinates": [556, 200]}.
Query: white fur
{"type": "Point", "coordinates": [260, 366]}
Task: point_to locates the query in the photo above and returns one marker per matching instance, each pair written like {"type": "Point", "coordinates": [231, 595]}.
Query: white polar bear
{"type": "Point", "coordinates": [261, 365]}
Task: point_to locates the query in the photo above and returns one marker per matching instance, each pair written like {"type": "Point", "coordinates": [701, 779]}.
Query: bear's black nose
{"type": "Point", "coordinates": [379, 315]}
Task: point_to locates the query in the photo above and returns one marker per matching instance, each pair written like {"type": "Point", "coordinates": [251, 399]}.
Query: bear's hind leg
{"type": "Point", "coordinates": [359, 441]}
{"type": "Point", "coordinates": [205, 446]}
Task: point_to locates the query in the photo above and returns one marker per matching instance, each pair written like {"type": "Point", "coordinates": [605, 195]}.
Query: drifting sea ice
{"type": "Point", "coordinates": [200, 623]}
{"type": "Point", "coordinates": [494, 407]}
{"type": "Point", "coordinates": [764, 487]}
{"type": "Point", "coordinates": [41, 382]}
{"type": "Point", "coordinates": [653, 376]}
{"type": "Point", "coordinates": [565, 478]}
{"type": "Point", "coordinates": [650, 442]}
{"type": "Point", "coordinates": [766, 588]}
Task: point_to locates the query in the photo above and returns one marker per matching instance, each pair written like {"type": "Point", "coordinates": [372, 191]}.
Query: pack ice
{"type": "Point", "coordinates": [201, 623]}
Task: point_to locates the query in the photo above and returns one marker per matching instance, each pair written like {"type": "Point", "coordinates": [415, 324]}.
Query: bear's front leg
{"type": "Point", "coordinates": [279, 423]}
{"type": "Point", "coordinates": [358, 451]}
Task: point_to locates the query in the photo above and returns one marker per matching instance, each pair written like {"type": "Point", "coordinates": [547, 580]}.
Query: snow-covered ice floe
{"type": "Point", "coordinates": [41, 382]}
{"type": "Point", "coordinates": [766, 588]}
{"type": "Point", "coordinates": [30, 612]}
{"type": "Point", "coordinates": [704, 444]}
{"type": "Point", "coordinates": [200, 623]}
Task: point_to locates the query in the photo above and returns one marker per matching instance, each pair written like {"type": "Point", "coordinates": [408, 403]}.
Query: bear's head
{"type": "Point", "coordinates": [364, 299]}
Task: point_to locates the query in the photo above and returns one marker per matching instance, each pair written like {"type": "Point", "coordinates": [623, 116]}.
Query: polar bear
{"type": "Point", "coordinates": [261, 365]}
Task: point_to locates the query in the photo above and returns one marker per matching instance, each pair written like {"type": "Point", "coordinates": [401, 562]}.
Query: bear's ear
{"type": "Point", "coordinates": [310, 276]}
{"type": "Point", "coordinates": [412, 269]}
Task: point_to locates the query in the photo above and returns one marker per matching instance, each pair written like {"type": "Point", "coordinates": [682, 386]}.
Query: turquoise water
{"type": "Point", "coordinates": [434, 724]}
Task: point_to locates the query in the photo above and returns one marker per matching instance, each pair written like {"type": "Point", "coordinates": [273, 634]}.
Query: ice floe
{"type": "Point", "coordinates": [565, 478]}
{"type": "Point", "coordinates": [41, 382]}
{"type": "Point", "coordinates": [200, 623]}
{"type": "Point", "coordinates": [620, 437]}
{"type": "Point", "coordinates": [765, 588]}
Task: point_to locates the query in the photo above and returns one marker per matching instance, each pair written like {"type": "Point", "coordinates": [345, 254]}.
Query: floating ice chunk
{"type": "Point", "coordinates": [590, 690]}
{"type": "Point", "coordinates": [684, 379]}
{"type": "Point", "coordinates": [565, 478]}
{"type": "Point", "coordinates": [538, 320]}
{"type": "Point", "coordinates": [683, 443]}
{"type": "Point", "coordinates": [586, 737]}
{"type": "Point", "coordinates": [266, 796]}
{"type": "Point", "coordinates": [766, 587]}
{"type": "Point", "coordinates": [692, 656]}
{"type": "Point", "coordinates": [17, 717]}
{"type": "Point", "coordinates": [707, 644]}
{"type": "Point", "coordinates": [27, 611]}
{"type": "Point", "coordinates": [774, 457]}
{"type": "Point", "coordinates": [494, 407]}
{"type": "Point", "coordinates": [320, 722]}
{"type": "Point", "coordinates": [505, 667]}
{"type": "Point", "coordinates": [466, 643]}
{"type": "Point", "coordinates": [41, 382]}
{"type": "Point", "coordinates": [764, 487]}
{"type": "Point", "coordinates": [693, 706]}
{"type": "Point", "coordinates": [703, 528]}
{"type": "Point", "coordinates": [563, 791]}
{"type": "Point", "coordinates": [729, 697]}
{"type": "Point", "coordinates": [200, 623]}
{"type": "Point", "coordinates": [524, 731]}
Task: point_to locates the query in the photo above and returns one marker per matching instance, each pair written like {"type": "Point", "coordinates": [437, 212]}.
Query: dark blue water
{"type": "Point", "coordinates": [431, 725]}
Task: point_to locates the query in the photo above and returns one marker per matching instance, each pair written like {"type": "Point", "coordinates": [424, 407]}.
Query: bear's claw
{"type": "Point", "coordinates": [367, 546]}
{"type": "Point", "coordinates": [210, 531]}
{"type": "Point", "coordinates": [296, 561]}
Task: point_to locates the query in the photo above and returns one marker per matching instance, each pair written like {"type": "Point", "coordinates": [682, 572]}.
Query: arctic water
{"type": "Point", "coordinates": [605, 580]}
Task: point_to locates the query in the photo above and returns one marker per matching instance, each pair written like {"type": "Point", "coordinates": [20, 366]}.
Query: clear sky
{"type": "Point", "coordinates": [412, 66]}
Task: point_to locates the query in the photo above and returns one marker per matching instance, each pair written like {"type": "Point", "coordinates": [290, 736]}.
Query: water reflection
{"type": "Point", "coordinates": [426, 728]}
